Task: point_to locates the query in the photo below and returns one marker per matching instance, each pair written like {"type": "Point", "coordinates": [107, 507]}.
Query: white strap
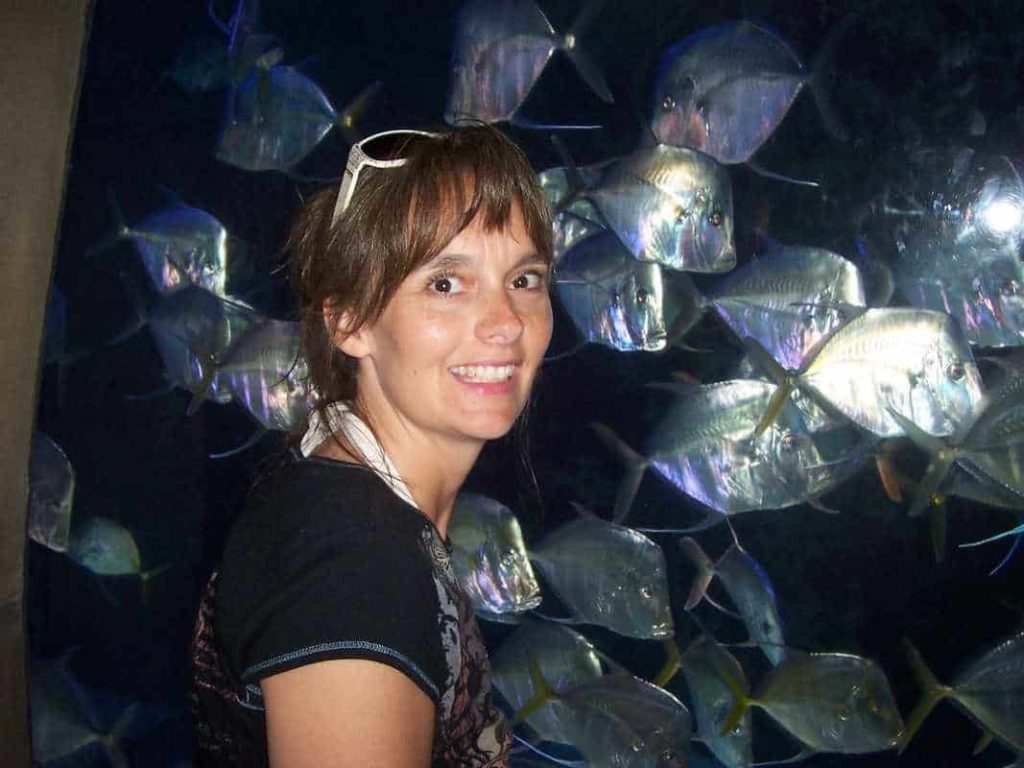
{"type": "Point", "coordinates": [342, 420]}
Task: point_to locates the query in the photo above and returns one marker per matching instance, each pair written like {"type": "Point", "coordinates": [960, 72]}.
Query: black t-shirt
{"type": "Point", "coordinates": [326, 562]}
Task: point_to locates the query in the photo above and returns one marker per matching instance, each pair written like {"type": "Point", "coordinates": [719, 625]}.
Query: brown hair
{"type": "Point", "coordinates": [398, 220]}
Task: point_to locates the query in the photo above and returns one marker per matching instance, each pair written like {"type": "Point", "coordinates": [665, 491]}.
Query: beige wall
{"type": "Point", "coordinates": [41, 43]}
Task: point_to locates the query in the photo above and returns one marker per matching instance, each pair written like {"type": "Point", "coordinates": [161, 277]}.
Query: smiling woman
{"type": "Point", "coordinates": [335, 632]}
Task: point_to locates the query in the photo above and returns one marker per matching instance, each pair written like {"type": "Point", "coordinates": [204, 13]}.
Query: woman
{"type": "Point", "coordinates": [335, 633]}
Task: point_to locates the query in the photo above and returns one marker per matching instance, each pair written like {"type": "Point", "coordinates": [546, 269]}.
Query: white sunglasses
{"type": "Point", "coordinates": [382, 150]}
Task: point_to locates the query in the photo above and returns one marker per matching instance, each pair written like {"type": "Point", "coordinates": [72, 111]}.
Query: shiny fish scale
{"type": "Point", "coordinates": [903, 359]}
{"type": "Point", "coordinates": [608, 575]}
{"type": "Point", "coordinates": [105, 547]}
{"type": "Point", "coordinates": [182, 245]}
{"type": "Point", "coordinates": [51, 493]}
{"type": "Point", "coordinates": [772, 299]}
{"type": "Point", "coordinates": [992, 690]}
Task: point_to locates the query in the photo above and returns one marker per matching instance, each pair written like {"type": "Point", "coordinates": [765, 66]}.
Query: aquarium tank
{"type": "Point", "coordinates": [782, 400]}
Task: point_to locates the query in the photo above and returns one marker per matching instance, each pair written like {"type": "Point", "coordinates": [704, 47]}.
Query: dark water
{"type": "Point", "coordinates": [906, 75]}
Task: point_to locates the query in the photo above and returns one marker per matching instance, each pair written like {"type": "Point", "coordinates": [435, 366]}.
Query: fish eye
{"type": "Point", "coordinates": [646, 592]}
{"type": "Point", "coordinates": [641, 295]}
{"type": "Point", "coordinates": [956, 371]}
{"type": "Point", "coordinates": [1010, 288]}
{"type": "Point", "coordinates": [668, 103]}
{"type": "Point", "coordinates": [788, 442]}
{"type": "Point", "coordinates": [715, 218]}
{"type": "Point", "coordinates": [637, 745]}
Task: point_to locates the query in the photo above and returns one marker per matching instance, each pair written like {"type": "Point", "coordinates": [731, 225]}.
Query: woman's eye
{"type": "Point", "coordinates": [528, 280]}
{"type": "Point", "coordinates": [445, 284]}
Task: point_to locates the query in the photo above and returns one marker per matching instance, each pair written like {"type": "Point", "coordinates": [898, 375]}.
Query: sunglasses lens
{"type": "Point", "coordinates": [390, 146]}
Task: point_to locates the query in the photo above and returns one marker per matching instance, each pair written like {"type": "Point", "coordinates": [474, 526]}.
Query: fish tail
{"type": "Point", "coordinates": [584, 64]}
{"type": "Point", "coordinates": [355, 110]}
{"type": "Point", "coordinates": [889, 476]}
{"type": "Point", "coordinates": [112, 740]}
{"type": "Point", "coordinates": [636, 465]}
{"type": "Point", "coordinates": [818, 83]}
{"type": "Point", "coordinates": [117, 233]}
{"type": "Point", "coordinates": [741, 702]}
{"type": "Point", "coordinates": [934, 692]}
{"type": "Point", "coordinates": [705, 570]}
{"type": "Point", "coordinates": [672, 663]}
{"type": "Point", "coordinates": [542, 693]}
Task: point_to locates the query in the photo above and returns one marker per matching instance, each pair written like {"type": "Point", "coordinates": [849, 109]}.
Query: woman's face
{"type": "Point", "coordinates": [455, 351]}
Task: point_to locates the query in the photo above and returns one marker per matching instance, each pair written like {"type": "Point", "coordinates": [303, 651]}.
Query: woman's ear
{"type": "Point", "coordinates": [339, 326]}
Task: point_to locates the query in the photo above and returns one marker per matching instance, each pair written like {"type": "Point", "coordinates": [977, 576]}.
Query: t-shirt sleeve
{"type": "Point", "coordinates": [310, 577]}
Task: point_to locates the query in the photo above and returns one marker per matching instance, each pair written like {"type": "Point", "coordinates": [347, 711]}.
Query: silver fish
{"type": "Point", "coordinates": [64, 717]}
{"type": "Point", "coordinates": [192, 328]}
{"type": "Point", "coordinates": [707, 448]}
{"type": "Point", "coordinates": [612, 298]}
{"type": "Point", "coordinates": [564, 657]}
{"type": "Point", "coordinates": [669, 205]}
{"type": "Point", "coordinates": [705, 665]}
{"type": "Point", "coordinates": [832, 702]}
{"type": "Point", "coordinates": [105, 547]}
{"type": "Point", "coordinates": [991, 690]}
{"type": "Point", "coordinates": [725, 89]}
{"type": "Point", "coordinates": [500, 49]}
{"type": "Point", "coordinates": [620, 720]}
{"type": "Point", "coordinates": [988, 451]}
{"type": "Point", "coordinates": [910, 361]}
{"type": "Point", "coordinates": [179, 245]}
{"type": "Point", "coordinates": [489, 557]}
{"type": "Point", "coordinates": [265, 374]}
{"type": "Point", "coordinates": [748, 587]}
{"type": "Point", "coordinates": [51, 493]}
{"type": "Point", "coordinates": [789, 299]}
{"type": "Point", "coordinates": [277, 116]}
{"type": "Point", "coordinates": [609, 575]}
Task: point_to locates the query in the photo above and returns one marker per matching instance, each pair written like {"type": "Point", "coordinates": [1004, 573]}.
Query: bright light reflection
{"type": "Point", "coordinates": [1002, 217]}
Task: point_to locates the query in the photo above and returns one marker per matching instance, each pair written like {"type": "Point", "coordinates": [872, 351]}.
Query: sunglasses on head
{"type": "Point", "coordinates": [382, 150]}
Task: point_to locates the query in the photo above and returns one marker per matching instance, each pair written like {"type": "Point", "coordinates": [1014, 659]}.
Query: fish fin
{"type": "Point", "coordinates": [672, 663]}
{"type": "Point", "coordinates": [348, 117]}
{"type": "Point", "coordinates": [713, 517]}
{"type": "Point", "coordinates": [569, 620]}
{"type": "Point", "coordinates": [763, 359]}
{"type": "Point", "coordinates": [818, 82]}
{"type": "Point", "coordinates": [938, 467]}
{"type": "Point", "coordinates": [585, 513]}
{"type": "Point", "coordinates": [217, 21]}
{"type": "Point", "coordinates": [937, 526]}
{"type": "Point", "coordinates": [118, 232]}
{"type": "Point", "coordinates": [1012, 532]}
{"type": "Point", "coordinates": [760, 170]}
{"type": "Point", "coordinates": [705, 571]}
{"type": "Point", "coordinates": [547, 755]}
{"type": "Point", "coordinates": [568, 353]}
{"type": "Point", "coordinates": [150, 395]}
{"type": "Point", "coordinates": [584, 64]}
{"type": "Point", "coordinates": [677, 388]}
{"type": "Point", "coordinates": [800, 756]}
{"type": "Point", "coordinates": [889, 476]}
{"type": "Point", "coordinates": [521, 121]}
{"type": "Point", "coordinates": [775, 405]}
{"type": "Point", "coordinates": [817, 504]}
{"type": "Point", "coordinates": [983, 741]}
{"type": "Point", "coordinates": [741, 702]}
{"type": "Point", "coordinates": [542, 693]}
{"type": "Point", "coordinates": [249, 443]}
{"type": "Point", "coordinates": [203, 390]}
{"type": "Point", "coordinates": [1009, 556]}
{"type": "Point", "coordinates": [636, 465]}
{"type": "Point", "coordinates": [146, 576]}
{"type": "Point", "coordinates": [933, 692]}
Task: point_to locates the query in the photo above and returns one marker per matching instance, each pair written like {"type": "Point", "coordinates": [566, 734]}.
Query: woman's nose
{"type": "Point", "coordinates": [499, 321]}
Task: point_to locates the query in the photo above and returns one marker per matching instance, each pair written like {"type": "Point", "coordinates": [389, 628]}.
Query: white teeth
{"type": "Point", "coordinates": [484, 372]}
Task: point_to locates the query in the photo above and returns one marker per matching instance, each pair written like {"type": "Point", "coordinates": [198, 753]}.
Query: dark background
{"type": "Point", "coordinates": [906, 76]}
